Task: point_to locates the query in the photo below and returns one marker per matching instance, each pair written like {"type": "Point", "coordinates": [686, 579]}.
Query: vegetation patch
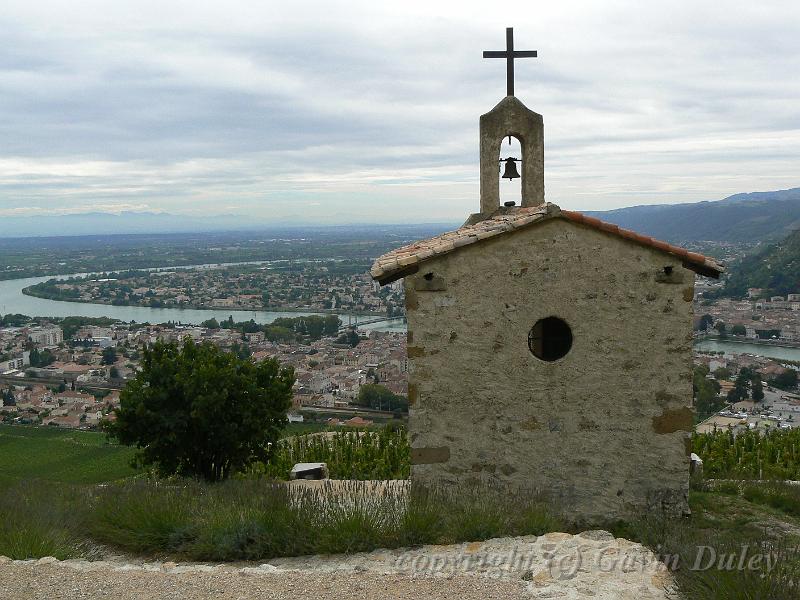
{"type": "Point", "coordinates": [711, 555]}
{"type": "Point", "coordinates": [359, 455]}
{"type": "Point", "coordinates": [255, 520]}
{"type": "Point", "coordinates": [58, 455]}
{"type": "Point", "coordinates": [749, 454]}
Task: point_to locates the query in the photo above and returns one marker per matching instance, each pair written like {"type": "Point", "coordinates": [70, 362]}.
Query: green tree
{"type": "Point", "coordinates": [741, 385]}
{"type": "Point", "coordinates": [720, 327]}
{"type": "Point", "coordinates": [199, 411]}
{"type": "Point", "coordinates": [706, 321]}
{"type": "Point", "coordinates": [350, 337]}
{"type": "Point", "coordinates": [738, 330]}
{"type": "Point", "coordinates": [722, 374]}
{"type": "Point", "coordinates": [113, 373]}
{"type": "Point", "coordinates": [737, 394]}
{"type": "Point", "coordinates": [786, 380]}
{"type": "Point", "coordinates": [758, 389]}
{"type": "Point", "coordinates": [377, 396]}
{"type": "Point", "coordinates": [706, 400]}
{"type": "Point", "coordinates": [705, 390]}
{"type": "Point", "coordinates": [8, 398]}
{"type": "Point", "coordinates": [41, 358]}
{"type": "Point", "coordinates": [109, 356]}
{"type": "Point", "coordinates": [332, 324]}
{"type": "Point", "coordinates": [276, 333]}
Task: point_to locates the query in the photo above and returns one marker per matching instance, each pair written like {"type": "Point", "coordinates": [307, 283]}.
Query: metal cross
{"type": "Point", "coordinates": [509, 54]}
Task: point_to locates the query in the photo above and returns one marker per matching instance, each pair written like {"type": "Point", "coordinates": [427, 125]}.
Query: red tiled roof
{"type": "Point", "coordinates": [406, 260]}
{"type": "Point", "coordinates": [691, 260]}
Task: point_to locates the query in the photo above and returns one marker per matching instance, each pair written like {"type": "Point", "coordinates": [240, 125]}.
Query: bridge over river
{"type": "Point", "coordinates": [356, 322]}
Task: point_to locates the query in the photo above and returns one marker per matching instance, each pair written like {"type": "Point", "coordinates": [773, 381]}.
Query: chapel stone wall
{"type": "Point", "coordinates": [603, 431]}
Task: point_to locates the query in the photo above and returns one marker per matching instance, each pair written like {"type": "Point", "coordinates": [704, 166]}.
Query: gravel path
{"type": "Point", "coordinates": [590, 565]}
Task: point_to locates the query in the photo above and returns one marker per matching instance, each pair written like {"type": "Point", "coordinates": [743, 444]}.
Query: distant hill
{"type": "Point", "coordinates": [100, 223]}
{"type": "Point", "coordinates": [776, 269]}
{"type": "Point", "coordinates": [759, 216]}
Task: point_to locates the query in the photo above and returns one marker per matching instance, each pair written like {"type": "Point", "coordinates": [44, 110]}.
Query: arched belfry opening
{"type": "Point", "coordinates": [509, 166]}
{"type": "Point", "coordinates": [511, 117]}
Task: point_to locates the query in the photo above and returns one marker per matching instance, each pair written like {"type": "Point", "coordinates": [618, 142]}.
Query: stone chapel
{"type": "Point", "coordinates": [548, 350]}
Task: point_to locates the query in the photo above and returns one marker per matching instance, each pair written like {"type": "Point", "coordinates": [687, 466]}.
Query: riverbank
{"type": "Point", "coordinates": [13, 301]}
{"type": "Point", "coordinates": [32, 292]}
{"type": "Point", "coordinates": [751, 341]}
{"type": "Point", "coordinates": [779, 352]}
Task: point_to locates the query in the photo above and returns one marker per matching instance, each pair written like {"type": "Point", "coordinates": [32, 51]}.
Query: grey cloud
{"type": "Point", "coordinates": [190, 114]}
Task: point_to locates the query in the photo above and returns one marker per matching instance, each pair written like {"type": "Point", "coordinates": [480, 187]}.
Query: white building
{"type": "Point", "coordinates": [46, 336]}
{"type": "Point", "coordinates": [16, 363]}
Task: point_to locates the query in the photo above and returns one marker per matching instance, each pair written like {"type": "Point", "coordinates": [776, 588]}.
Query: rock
{"type": "Point", "coordinates": [47, 560]}
{"type": "Point", "coordinates": [4, 560]}
{"type": "Point", "coordinates": [128, 568]}
{"type": "Point", "coordinates": [78, 564]}
{"type": "Point", "coordinates": [191, 569]}
{"type": "Point", "coordinates": [556, 536]}
{"type": "Point", "coordinates": [598, 535]}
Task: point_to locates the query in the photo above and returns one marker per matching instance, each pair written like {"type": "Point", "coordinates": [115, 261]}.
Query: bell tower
{"type": "Point", "coordinates": [511, 118]}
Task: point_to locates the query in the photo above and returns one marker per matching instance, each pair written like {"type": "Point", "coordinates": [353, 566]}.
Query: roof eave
{"type": "Point", "coordinates": [392, 277]}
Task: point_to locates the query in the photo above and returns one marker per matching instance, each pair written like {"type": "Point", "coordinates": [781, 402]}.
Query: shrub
{"type": "Point", "coordinates": [199, 411]}
{"type": "Point", "coordinates": [42, 519]}
{"type": "Point", "coordinates": [253, 520]}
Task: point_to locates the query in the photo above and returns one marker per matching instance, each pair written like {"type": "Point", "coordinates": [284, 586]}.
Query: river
{"type": "Point", "coordinates": [12, 300]}
{"type": "Point", "coordinates": [768, 350]}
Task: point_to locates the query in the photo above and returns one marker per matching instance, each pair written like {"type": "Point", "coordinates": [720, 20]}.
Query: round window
{"type": "Point", "coordinates": [550, 339]}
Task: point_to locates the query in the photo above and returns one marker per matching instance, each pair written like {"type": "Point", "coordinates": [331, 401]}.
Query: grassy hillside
{"type": "Point", "coordinates": [65, 456]}
{"type": "Point", "coordinates": [752, 217]}
{"type": "Point", "coordinates": [776, 269]}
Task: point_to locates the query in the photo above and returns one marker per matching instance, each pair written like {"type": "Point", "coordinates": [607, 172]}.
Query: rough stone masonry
{"type": "Point", "coordinates": [551, 352]}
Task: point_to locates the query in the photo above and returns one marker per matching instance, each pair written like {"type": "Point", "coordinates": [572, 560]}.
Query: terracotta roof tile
{"type": "Point", "coordinates": [406, 260]}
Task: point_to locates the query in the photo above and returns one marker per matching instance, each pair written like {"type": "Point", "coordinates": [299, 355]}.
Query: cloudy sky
{"type": "Point", "coordinates": [368, 111]}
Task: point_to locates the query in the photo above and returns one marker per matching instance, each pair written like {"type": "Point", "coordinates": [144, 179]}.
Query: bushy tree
{"type": "Point", "coordinates": [109, 355]}
{"type": "Point", "coordinates": [785, 381]}
{"type": "Point", "coordinates": [758, 389]}
{"type": "Point", "coordinates": [373, 395]}
{"type": "Point", "coordinates": [706, 400]}
{"type": "Point", "coordinates": [351, 337]}
{"type": "Point", "coordinates": [41, 358]}
{"type": "Point", "coordinates": [706, 321]}
{"type": "Point", "coordinates": [199, 411]}
{"type": "Point", "coordinates": [722, 374]}
{"type": "Point", "coordinates": [7, 398]}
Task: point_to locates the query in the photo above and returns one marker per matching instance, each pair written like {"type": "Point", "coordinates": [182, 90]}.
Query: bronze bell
{"type": "Point", "coordinates": [510, 171]}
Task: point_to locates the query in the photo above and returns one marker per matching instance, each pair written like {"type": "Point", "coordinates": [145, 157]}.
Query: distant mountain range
{"type": "Point", "coordinates": [759, 216]}
{"type": "Point", "coordinates": [100, 223]}
{"type": "Point", "coordinates": [126, 223]}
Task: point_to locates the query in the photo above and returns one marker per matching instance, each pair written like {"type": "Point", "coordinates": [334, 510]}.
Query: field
{"type": "Point", "coordinates": [63, 456]}
{"type": "Point", "coordinates": [72, 456]}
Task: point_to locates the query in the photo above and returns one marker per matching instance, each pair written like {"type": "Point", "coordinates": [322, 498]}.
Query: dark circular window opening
{"type": "Point", "coordinates": [550, 339]}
